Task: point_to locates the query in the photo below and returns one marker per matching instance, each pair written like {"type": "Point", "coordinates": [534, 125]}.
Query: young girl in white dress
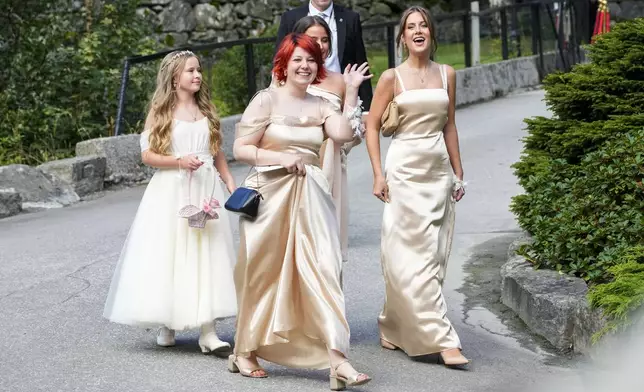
{"type": "Point", "coordinates": [173, 273]}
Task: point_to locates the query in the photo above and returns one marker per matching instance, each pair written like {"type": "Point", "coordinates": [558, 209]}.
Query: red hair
{"type": "Point", "coordinates": [285, 52]}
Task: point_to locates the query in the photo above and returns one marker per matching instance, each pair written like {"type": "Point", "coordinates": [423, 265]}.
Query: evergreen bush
{"type": "Point", "coordinates": [582, 172]}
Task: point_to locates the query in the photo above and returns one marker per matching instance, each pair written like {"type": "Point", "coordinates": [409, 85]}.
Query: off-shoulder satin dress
{"type": "Point", "coordinates": [291, 305]}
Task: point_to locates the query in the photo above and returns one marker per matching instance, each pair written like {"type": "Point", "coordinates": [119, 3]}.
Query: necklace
{"type": "Point", "coordinates": [178, 108]}
{"type": "Point", "coordinates": [194, 116]}
{"type": "Point", "coordinates": [420, 76]}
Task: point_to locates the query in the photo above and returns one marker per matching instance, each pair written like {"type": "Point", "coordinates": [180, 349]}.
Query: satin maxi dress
{"type": "Point", "coordinates": [291, 306]}
{"type": "Point", "coordinates": [417, 225]}
{"type": "Point", "coordinates": [333, 164]}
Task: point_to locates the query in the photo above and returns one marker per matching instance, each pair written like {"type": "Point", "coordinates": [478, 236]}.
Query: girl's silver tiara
{"type": "Point", "coordinates": [183, 53]}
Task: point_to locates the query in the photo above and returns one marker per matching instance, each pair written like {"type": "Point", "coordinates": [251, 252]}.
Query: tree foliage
{"type": "Point", "coordinates": [63, 69]}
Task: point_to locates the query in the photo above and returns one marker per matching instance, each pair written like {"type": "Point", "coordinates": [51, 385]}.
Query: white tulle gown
{"type": "Point", "coordinates": [170, 274]}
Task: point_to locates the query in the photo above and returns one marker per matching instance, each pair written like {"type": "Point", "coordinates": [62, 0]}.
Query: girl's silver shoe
{"type": "Point", "coordinates": [165, 337]}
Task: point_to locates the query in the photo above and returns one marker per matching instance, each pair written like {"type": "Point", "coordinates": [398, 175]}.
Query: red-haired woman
{"type": "Point", "coordinates": [291, 306]}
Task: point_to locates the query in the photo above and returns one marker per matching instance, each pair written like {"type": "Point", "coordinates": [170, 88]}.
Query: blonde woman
{"type": "Point", "coordinates": [423, 179]}
{"type": "Point", "coordinates": [172, 272]}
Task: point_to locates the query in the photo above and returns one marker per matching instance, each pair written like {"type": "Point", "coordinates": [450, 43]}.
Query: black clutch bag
{"type": "Point", "coordinates": [244, 201]}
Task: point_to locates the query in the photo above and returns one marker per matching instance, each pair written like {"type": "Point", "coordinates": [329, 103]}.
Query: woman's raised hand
{"type": "Point", "coordinates": [354, 75]}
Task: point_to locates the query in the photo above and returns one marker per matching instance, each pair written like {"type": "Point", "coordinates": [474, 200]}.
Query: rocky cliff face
{"type": "Point", "coordinates": [198, 21]}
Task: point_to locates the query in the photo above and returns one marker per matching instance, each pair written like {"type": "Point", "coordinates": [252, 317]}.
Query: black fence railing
{"type": "Point", "coordinates": [503, 29]}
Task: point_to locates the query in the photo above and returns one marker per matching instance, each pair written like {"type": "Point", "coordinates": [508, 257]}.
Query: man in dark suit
{"type": "Point", "coordinates": [346, 28]}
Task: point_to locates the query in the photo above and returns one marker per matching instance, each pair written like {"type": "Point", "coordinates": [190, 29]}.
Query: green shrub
{"type": "Point", "coordinates": [62, 77]}
{"type": "Point", "coordinates": [582, 169]}
{"type": "Point", "coordinates": [624, 293]}
{"type": "Point", "coordinates": [579, 213]}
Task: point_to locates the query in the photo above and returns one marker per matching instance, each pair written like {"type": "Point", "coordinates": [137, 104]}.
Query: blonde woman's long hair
{"type": "Point", "coordinates": [165, 98]}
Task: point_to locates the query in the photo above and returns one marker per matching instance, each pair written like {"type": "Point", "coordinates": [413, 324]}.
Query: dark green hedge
{"type": "Point", "coordinates": [582, 169]}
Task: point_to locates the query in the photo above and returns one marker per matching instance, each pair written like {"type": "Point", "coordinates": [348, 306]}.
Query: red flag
{"type": "Point", "coordinates": [602, 21]}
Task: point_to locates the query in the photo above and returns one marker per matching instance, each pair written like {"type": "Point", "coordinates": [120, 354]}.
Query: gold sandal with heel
{"type": "Point", "coordinates": [340, 383]}
{"type": "Point", "coordinates": [233, 367]}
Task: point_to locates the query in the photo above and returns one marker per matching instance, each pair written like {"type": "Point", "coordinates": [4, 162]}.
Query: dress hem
{"type": "Point", "coordinates": [422, 353]}
{"type": "Point", "coordinates": [158, 324]}
{"type": "Point", "coordinates": [257, 349]}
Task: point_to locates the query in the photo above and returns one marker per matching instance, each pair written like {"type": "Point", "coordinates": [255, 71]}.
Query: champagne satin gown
{"type": "Point", "coordinates": [334, 166]}
{"type": "Point", "coordinates": [291, 306]}
{"type": "Point", "coordinates": [336, 175]}
{"type": "Point", "coordinates": [417, 225]}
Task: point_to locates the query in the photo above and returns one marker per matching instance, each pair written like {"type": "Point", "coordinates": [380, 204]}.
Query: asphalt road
{"type": "Point", "coordinates": [56, 266]}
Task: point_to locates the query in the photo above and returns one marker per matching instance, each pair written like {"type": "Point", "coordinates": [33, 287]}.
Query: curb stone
{"type": "Point", "coordinates": [552, 305]}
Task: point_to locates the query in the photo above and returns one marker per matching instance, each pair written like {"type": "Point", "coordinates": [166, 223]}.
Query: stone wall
{"type": "Point", "coordinates": [488, 81]}
{"type": "Point", "coordinates": [199, 21]}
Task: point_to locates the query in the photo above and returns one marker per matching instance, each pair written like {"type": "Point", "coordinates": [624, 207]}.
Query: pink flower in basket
{"type": "Point", "coordinates": [209, 207]}
{"type": "Point", "coordinates": [197, 217]}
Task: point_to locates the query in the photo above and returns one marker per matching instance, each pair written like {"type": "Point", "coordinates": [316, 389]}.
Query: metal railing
{"type": "Point", "coordinates": [250, 58]}
{"type": "Point", "coordinates": [506, 15]}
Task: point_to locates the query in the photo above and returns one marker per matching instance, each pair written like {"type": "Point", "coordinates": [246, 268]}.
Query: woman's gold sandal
{"type": "Point", "coordinates": [339, 383]}
{"type": "Point", "coordinates": [233, 367]}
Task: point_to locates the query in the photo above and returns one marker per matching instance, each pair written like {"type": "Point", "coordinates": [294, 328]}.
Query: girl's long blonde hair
{"type": "Point", "coordinates": [165, 98]}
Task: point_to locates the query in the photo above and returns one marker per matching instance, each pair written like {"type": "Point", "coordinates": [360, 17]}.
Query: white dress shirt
{"type": "Point", "coordinates": [332, 63]}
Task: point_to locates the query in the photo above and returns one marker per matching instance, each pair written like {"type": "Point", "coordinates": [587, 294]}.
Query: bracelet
{"type": "Point", "coordinates": [459, 184]}
{"type": "Point", "coordinates": [177, 158]}
{"type": "Point", "coordinates": [355, 119]}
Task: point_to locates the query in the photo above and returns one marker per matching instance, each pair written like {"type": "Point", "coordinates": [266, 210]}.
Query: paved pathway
{"type": "Point", "coordinates": [55, 268]}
